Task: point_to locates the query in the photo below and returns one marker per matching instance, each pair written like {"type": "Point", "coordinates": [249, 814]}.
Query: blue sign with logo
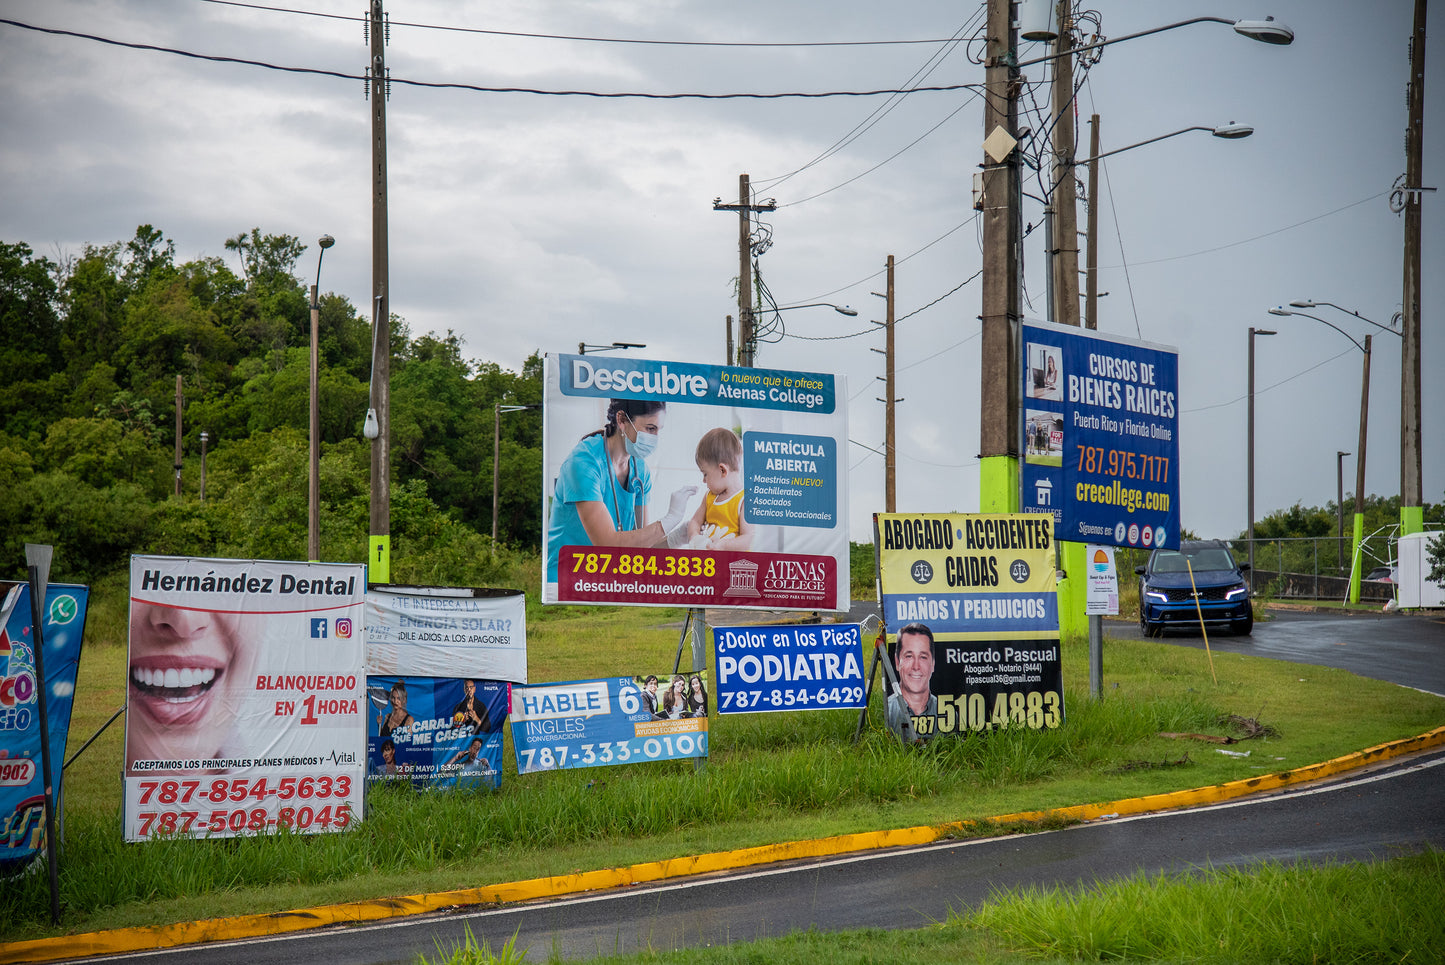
{"type": "Point", "coordinates": [22, 785]}
{"type": "Point", "coordinates": [1101, 436]}
{"type": "Point", "coordinates": [791, 479]}
{"type": "Point", "coordinates": [817, 667]}
{"type": "Point", "coordinates": [615, 378]}
{"type": "Point", "coordinates": [615, 720]}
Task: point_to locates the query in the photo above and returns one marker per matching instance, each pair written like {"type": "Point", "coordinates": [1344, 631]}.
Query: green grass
{"type": "Point", "coordinates": [1272, 913]}
{"type": "Point", "coordinates": [770, 777]}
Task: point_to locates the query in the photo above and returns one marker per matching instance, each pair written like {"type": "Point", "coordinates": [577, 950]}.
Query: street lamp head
{"type": "Point", "coordinates": [326, 241]}
{"type": "Point", "coordinates": [1268, 30]}
{"type": "Point", "coordinates": [1233, 131]}
{"type": "Point", "coordinates": [1262, 331]}
{"type": "Point", "coordinates": [845, 310]}
{"type": "Point", "coordinates": [1303, 304]}
{"type": "Point", "coordinates": [1280, 311]}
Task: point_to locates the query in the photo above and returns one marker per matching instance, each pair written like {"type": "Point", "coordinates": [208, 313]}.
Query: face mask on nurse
{"type": "Point", "coordinates": [644, 445]}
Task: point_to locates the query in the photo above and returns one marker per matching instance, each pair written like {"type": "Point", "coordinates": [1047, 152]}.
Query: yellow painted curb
{"type": "Point", "coordinates": [120, 940]}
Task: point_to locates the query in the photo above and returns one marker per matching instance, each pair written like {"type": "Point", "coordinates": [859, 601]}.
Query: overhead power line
{"type": "Point", "coordinates": [585, 39]}
{"type": "Point", "coordinates": [478, 88]}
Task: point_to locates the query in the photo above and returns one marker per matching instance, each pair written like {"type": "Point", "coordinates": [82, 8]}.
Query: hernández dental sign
{"type": "Point", "coordinates": [697, 384]}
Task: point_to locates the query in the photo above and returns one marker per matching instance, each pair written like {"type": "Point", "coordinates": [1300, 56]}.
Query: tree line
{"type": "Point", "coordinates": [90, 348]}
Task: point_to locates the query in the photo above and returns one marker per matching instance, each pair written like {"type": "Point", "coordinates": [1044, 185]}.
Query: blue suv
{"type": "Point", "coordinates": [1219, 591]}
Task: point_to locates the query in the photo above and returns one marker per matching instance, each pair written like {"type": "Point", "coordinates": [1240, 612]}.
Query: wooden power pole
{"type": "Point", "coordinates": [999, 372]}
{"type": "Point", "coordinates": [890, 401]}
{"type": "Point", "coordinates": [1412, 512]}
{"type": "Point", "coordinates": [747, 328]}
{"type": "Point", "coordinates": [379, 550]}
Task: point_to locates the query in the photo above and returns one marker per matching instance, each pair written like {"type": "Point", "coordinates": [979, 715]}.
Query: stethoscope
{"type": "Point", "coordinates": [631, 479]}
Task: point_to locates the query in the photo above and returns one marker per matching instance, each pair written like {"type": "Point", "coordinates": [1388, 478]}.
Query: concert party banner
{"type": "Point", "coordinates": [813, 667]}
{"type": "Point", "coordinates": [22, 780]}
{"type": "Point", "coordinates": [972, 613]}
{"type": "Point", "coordinates": [435, 732]}
{"type": "Point", "coordinates": [616, 720]}
{"type": "Point", "coordinates": [246, 692]}
{"type": "Point", "coordinates": [765, 451]}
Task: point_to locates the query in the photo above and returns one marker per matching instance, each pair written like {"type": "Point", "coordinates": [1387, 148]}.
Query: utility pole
{"type": "Point", "coordinates": [747, 342]}
{"type": "Point", "coordinates": [890, 451]}
{"type": "Point", "coordinates": [999, 373]}
{"type": "Point", "coordinates": [1412, 512]}
{"type": "Point", "coordinates": [178, 435]}
{"type": "Point", "coordinates": [379, 549]}
{"type": "Point", "coordinates": [1064, 197]}
{"type": "Point", "coordinates": [1091, 266]}
{"type": "Point", "coordinates": [730, 340]}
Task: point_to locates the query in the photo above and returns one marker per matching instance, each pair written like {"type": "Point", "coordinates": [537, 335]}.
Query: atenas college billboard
{"type": "Point", "coordinates": [674, 484]}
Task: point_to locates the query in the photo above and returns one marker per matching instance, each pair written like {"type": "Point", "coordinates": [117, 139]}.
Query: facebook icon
{"type": "Point", "coordinates": [318, 627]}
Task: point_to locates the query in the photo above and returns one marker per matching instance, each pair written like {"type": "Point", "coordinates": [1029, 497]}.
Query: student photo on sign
{"type": "Point", "coordinates": [911, 710]}
{"type": "Point", "coordinates": [718, 523]}
{"type": "Point", "coordinates": [190, 672]}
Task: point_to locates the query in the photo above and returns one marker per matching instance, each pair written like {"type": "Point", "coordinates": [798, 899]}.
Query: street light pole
{"type": "Point", "coordinates": [1354, 595]}
{"type": "Point", "coordinates": [205, 437]}
{"type": "Point", "coordinates": [1230, 131]}
{"type": "Point", "coordinates": [1340, 504]}
{"type": "Point", "coordinates": [313, 475]}
{"type": "Point", "coordinates": [1250, 474]}
{"type": "Point", "coordinates": [582, 347]}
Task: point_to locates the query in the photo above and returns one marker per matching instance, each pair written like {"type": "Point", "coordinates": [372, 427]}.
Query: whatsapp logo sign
{"type": "Point", "coordinates": [63, 609]}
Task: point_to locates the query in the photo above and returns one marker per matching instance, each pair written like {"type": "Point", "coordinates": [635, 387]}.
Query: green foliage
{"type": "Point", "coordinates": [89, 353]}
{"type": "Point", "coordinates": [1435, 556]}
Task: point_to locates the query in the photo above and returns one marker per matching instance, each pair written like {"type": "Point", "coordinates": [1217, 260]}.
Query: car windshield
{"type": "Point", "coordinates": [1209, 558]}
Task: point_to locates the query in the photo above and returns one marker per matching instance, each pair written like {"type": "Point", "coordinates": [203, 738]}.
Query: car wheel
{"type": "Point", "coordinates": [1243, 627]}
{"type": "Point", "coordinates": [1150, 629]}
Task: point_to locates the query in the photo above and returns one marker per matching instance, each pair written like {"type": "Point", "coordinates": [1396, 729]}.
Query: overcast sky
{"type": "Point", "coordinates": [529, 222]}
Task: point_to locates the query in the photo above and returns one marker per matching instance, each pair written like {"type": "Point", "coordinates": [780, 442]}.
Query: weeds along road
{"type": "Point", "coordinates": [1363, 815]}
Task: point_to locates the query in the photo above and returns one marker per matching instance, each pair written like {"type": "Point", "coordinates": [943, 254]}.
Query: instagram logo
{"type": "Point", "coordinates": [343, 628]}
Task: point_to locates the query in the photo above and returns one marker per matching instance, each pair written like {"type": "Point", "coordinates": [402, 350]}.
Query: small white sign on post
{"type": "Point", "coordinates": [1102, 596]}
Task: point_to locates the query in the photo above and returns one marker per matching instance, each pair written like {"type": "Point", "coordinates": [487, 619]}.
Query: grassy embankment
{"type": "Point", "coordinates": [770, 777]}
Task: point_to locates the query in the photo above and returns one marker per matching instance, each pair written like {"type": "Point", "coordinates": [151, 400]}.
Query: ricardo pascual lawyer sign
{"type": "Point", "coordinates": [1101, 436]}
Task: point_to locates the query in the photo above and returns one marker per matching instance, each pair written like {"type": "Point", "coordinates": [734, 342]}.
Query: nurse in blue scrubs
{"type": "Point", "coordinates": [604, 485]}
